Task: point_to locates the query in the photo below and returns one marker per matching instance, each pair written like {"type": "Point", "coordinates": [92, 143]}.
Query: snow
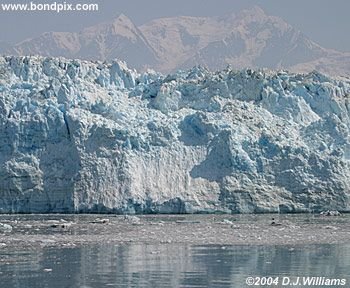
{"type": "Point", "coordinates": [80, 136]}
{"type": "Point", "coordinates": [250, 38]}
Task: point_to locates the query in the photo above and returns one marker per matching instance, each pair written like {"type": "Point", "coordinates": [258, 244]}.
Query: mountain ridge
{"type": "Point", "coordinates": [248, 39]}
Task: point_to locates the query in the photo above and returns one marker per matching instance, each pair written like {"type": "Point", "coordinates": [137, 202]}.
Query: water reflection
{"type": "Point", "coordinates": [140, 265]}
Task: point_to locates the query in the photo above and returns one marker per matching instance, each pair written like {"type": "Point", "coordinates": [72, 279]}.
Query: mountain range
{"type": "Point", "coordinates": [250, 38]}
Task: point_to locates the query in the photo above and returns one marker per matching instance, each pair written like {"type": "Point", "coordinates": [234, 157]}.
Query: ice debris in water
{"type": "Point", "coordinates": [134, 220]}
{"type": "Point", "coordinates": [64, 225]}
{"type": "Point", "coordinates": [80, 136]}
{"type": "Point", "coordinates": [330, 213]}
{"type": "Point", "coordinates": [226, 222]}
{"type": "Point", "coordinates": [101, 221]}
{"type": "Point", "coordinates": [5, 227]}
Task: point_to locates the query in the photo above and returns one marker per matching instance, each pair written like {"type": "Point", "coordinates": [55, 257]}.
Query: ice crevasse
{"type": "Point", "coordinates": [80, 136]}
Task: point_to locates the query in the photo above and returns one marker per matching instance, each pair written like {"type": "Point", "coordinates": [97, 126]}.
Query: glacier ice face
{"type": "Point", "coordinates": [79, 136]}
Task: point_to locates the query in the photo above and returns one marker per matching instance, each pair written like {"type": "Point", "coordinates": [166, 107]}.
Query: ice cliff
{"type": "Point", "coordinates": [79, 136]}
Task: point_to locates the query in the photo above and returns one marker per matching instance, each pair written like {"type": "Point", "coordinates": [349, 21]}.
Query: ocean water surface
{"type": "Point", "coordinates": [50, 262]}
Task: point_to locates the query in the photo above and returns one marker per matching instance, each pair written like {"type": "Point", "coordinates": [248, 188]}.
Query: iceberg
{"type": "Point", "coordinates": [89, 136]}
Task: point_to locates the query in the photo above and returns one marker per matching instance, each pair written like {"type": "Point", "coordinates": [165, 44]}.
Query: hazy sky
{"type": "Point", "coordinates": [325, 21]}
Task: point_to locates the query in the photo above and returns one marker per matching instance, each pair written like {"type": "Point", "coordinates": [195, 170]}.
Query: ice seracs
{"type": "Point", "coordinates": [81, 136]}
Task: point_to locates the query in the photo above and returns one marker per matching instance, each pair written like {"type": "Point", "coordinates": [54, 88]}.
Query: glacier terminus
{"type": "Point", "coordinates": [89, 136]}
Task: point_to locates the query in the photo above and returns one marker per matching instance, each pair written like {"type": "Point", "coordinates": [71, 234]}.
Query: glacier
{"type": "Point", "coordinates": [89, 136]}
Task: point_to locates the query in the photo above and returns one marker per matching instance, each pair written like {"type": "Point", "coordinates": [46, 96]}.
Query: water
{"type": "Point", "coordinates": [168, 265]}
{"type": "Point", "coordinates": [84, 251]}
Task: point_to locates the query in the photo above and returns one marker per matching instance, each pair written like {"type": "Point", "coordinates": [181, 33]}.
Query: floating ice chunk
{"type": "Point", "coordinates": [330, 213]}
{"type": "Point", "coordinates": [101, 221]}
{"type": "Point", "coordinates": [65, 225]}
{"type": "Point", "coordinates": [226, 222]}
{"type": "Point", "coordinates": [5, 227]}
{"type": "Point", "coordinates": [134, 220]}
